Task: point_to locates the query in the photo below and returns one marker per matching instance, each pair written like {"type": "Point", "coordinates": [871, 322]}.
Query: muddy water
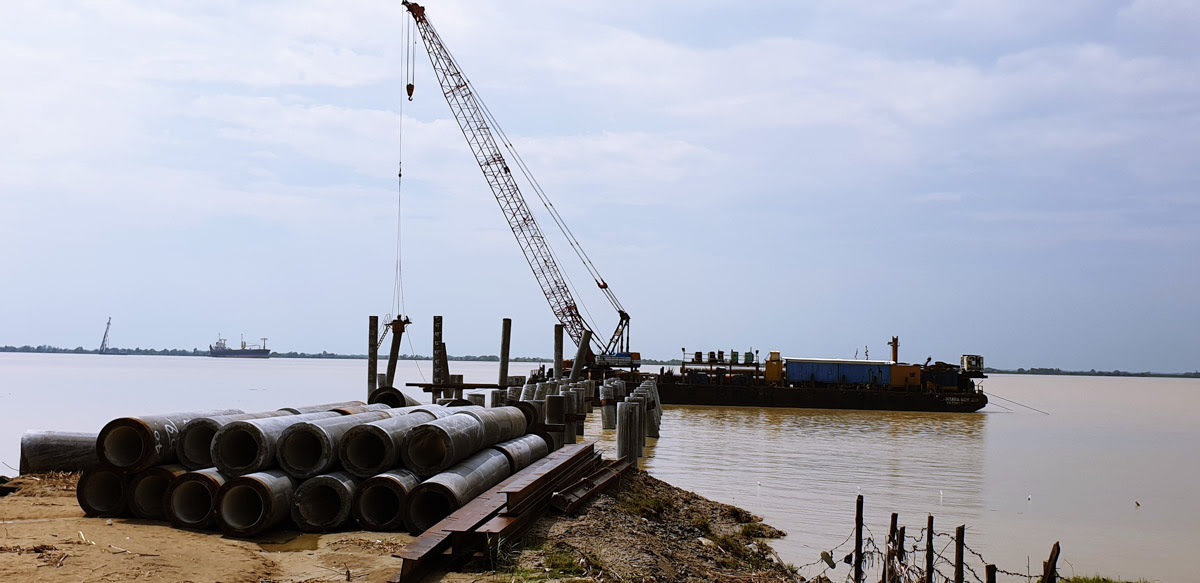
{"type": "Point", "coordinates": [1018, 479]}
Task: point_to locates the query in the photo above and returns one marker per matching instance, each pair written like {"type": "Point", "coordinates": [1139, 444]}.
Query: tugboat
{"type": "Point", "coordinates": [221, 349]}
{"type": "Point", "coordinates": [826, 383]}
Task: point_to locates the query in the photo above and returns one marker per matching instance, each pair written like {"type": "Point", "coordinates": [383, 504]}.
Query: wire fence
{"type": "Point", "coordinates": [917, 558]}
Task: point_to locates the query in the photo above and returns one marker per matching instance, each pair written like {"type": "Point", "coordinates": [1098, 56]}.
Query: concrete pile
{"type": "Point", "coordinates": [320, 468]}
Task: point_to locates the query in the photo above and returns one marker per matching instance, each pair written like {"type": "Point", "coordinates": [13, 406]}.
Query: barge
{"type": "Point", "coordinates": [817, 383]}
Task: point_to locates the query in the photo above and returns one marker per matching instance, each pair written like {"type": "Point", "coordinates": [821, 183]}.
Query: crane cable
{"type": "Point", "coordinates": [398, 284]}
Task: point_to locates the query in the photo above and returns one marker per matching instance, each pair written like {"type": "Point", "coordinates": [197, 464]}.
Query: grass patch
{"type": "Point", "coordinates": [756, 530]}
{"type": "Point", "coordinates": [701, 524]}
{"type": "Point", "coordinates": [643, 504]}
{"type": "Point", "coordinates": [740, 515]}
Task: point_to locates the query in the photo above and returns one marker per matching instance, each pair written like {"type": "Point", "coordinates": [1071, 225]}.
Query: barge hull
{"type": "Point", "coordinates": [821, 398]}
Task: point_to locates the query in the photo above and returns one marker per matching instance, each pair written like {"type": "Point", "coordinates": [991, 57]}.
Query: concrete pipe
{"type": "Point", "coordinates": [553, 443]}
{"type": "Point", "coordinates": [391, 397]}
{"type": "Point", "coordinates": [569, 431]}
{"type": "Point", "coordinates": [539, 408]}
{"type": "Point", "coordinates": [580, 411]}
{"type": "Point", "coordinates": [514, 394]}
{"type": "Point", "coordinates": [626, 438]}
{"type": "Point", "coordinates": [195, 438]}
{"type": "Point", "coordinates": [190, 499]}
{"type": "Point", "coordinates": [556, 409]}
{"type": "Point", "coordinates": [356, 409]}
{"type": "Point", "coordinates": [310, 448]}
{"type": "Point", "coordinates": [499, 424]}
{"type": "Point", "coordinates": [322, 503]}
{"type": "Point", "coordinates": [539, 392]}
{"type": "Point", "coordinates": [381, 502]}
{"type": "Point", "coordinates": [103, 491]}
{"type": "Point", "coordinates": [251, 504]}
{"type": "Point", "coordinates": [374, 447]}
{"type": "Point", "coordinates": [522, 451]}
{"type": "Point", "coordinates": [248, 446]}
{"type": "Point", "coordinates": [132, 444]}
{"type": "Point", "coordinates": [530, 411]}
{"type": "Point", "coordinates": [57, 451]}
{"type": "Point", "coordinates": [528, 392]}
{"type": "Point", "coordinates": [497, 398]}
{"type": "Point", "coordinates": [608, 410]}
{"type": "Point", "coordinates": [439, 496]}
{"type": "Point", "coordinates": [436, 445]}
{"type": "Point", "coordinates": [455, 402]}
{"type": "Point", "coordinates": [147, 489]}
{"type": "Point", "coordinates": [479, 399]}
{"type": "Point", "coordinates": [321, 408]}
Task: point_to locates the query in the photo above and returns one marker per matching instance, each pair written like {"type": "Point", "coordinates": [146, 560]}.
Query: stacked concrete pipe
{"type": "Point", "coordinates": [371, 448]}
{"type": "Point", "coordinates": [323, 503]}
{"type": "Point", "coordinates": [147, 489]}
{"type": "Point", "coordinates": [103, 491]}
{"type": "Point", "coordinates": [310, 448]}
{"type": "Point", "coordinates": [251, 504]}
{"type": "Point", "coordinates": [133, 444]}
{"type": "Point", "coordinates": [194, 446]}
{"type": "Point", "coordinates": [381, 502]}
{"type": "Point", "coordinates": [191, 499]}
{"type": "Point", "coordinates": [442, 494]}
{"type": "Point", "coordinates": [248, 446]}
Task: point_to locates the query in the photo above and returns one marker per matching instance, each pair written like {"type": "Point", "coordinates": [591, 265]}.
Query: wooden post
{"type": "Point", "coordinates": [558, 352]}
{"type": "Point", "coordinates": [990, 574]}
{"type": "Point", "coordinates": [900, 545]}
{"type": "Point", "coordinates": [1050, 566]}
{"type": "Point", "coordinates": [929, 551]}
{"type": "Point", "coordinates": [959, 534]}
{"type": "Point", "coordinates": [394, 354]}
{"type": "Point", "coordinates": [505, 336]}
{"type": "Point", "coordinates": [372, 353]}
{"type": "Point", "coordinates": [889, 551]}
{"type": "Point", "coordinates": [858, 528]}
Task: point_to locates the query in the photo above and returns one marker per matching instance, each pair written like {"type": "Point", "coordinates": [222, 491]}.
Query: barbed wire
{"type": "Point", "coordinates": [906, 572]}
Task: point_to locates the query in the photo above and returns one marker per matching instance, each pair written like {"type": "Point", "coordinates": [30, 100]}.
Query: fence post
{"type": "Point", "coordinates": [890, 550]}
{"type": "Point", "coordinates": [900, 545]}
{"type": "Point", "coordinates": [990, 573]}
{"type": "Point", "coordinates": [1050, 566]}
{"type": "Point", "coordinates": [858, 527]}
{"type": "Point", "coordinates": [929, 551]}
{"type": "Point", "coordinates": [959, 533]}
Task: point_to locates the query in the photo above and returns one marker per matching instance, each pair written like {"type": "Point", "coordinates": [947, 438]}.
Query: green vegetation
{"type": "Point", "coordinates": [1092, 373]}
{"type": "Point", "coordinates": [197, 352]}
{"type": "Point", "coordinates": [641, 503]}
{"type": "Point", "coordinates": [755, 530]}
{"type": "Point", "coordinates": [701, 524]}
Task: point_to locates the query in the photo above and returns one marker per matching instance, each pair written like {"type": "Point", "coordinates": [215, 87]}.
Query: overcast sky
{"type": "Point", "coordinates": [1012, 178]}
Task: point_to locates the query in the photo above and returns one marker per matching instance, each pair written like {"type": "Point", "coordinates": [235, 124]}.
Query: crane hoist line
{"type": "Point", "coordinates": [480, 130]}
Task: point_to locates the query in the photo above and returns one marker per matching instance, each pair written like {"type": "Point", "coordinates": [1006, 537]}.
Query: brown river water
{"type": "Point", "coordinates": [1111, 471]}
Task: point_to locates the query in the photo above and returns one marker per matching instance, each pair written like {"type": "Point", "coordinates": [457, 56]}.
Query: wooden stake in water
{"type": "Point", "coordinates": [858, 527]}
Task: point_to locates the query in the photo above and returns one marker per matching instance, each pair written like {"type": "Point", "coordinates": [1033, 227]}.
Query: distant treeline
{"type": "Point", "coordinates": [197, 352]}
{"type": "Point", "coordinates": [1092, 373]}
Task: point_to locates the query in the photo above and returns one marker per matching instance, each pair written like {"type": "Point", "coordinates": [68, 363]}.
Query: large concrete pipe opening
{"type": "Point", "coordinates": [237, 449]}
{"type": "Point", "coordinates": [427, 506]}
{"type": "Point", "coordinates": [147, 496]}
{"type": "Point", "coordinates": [101, 492]}
{"type": "Point", "coordinates": [319, 505]}
{"type": "Point", "coordinates": [364, 449]}
{"type": "Point", "coordinates": [191, 503]}
{"type": "Point", "coordinates": [123, 446]}
{"type": "Point", "coordinates": [425, 449]}
{"type": "Point", "coordinates": [195, 446]}
{"type": "Point", "coordinates": [300, 451]}
{"type": "Point", "coordinates": [379, 506]}
{"type": "Point", "coordinates": [242, 507]}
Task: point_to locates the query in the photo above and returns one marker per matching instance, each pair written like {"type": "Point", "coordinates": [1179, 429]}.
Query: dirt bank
{"type": "Point", "coordinates": [641, 529]}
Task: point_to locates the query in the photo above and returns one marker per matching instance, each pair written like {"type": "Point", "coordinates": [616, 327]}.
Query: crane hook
{"type": "Point", "coordinates": [410, 88]}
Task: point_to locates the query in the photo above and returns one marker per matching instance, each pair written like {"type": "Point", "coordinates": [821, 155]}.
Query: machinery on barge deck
{"type": "Point", "coordinates": [780, 381]}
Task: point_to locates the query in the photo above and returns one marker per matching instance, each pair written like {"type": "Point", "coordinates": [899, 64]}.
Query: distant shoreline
{"type": "Point", "coordinates": [43, 349]}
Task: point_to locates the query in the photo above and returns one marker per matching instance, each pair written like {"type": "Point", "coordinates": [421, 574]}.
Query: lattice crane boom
{"type": "Point", "coordinates": [472, 119]}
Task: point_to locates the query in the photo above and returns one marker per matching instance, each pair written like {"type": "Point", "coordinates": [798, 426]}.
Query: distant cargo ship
{"type": "Point", "coordinates": [817, 383]}
{"type": "Point", "coordinates": [221, 349]}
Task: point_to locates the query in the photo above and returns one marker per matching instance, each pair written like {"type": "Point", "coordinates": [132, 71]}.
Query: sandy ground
{"type": "Point", "coordinates": [641, 530]}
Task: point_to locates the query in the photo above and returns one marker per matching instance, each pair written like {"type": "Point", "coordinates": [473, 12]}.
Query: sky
{"type": "Point", "coordinates": [1012, 178]}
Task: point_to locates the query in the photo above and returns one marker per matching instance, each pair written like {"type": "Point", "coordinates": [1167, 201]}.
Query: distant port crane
{"type": "Point", "coordinates": [104, 343]}
{"type": "Point", "coordinates": [477, 125]}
